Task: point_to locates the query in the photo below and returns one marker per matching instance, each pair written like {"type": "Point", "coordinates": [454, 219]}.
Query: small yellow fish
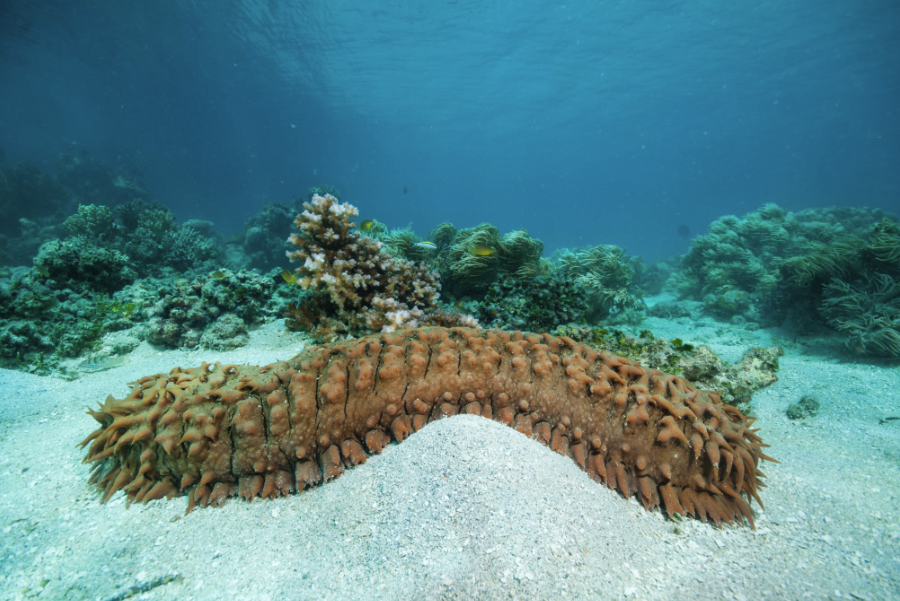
{"type": "Point", "coordinates": [426, 244]}
{"type": "Point", "coordinates": [219, 275]}
{"type": "Point", "coordinates": [290, 278]}
{"type": "Point", "coordinates": [366, 225]}
{"type": "Point", "coordinates": [43, 271]}
{"type": "Point", "coordinates": [481, 250]}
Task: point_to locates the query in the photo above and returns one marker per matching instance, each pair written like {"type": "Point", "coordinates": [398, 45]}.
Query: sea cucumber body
{"type": "Point", "coordinates": [221, 430]}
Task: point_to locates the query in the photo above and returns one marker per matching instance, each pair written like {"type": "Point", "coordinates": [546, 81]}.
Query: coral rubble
{"type": "Point", "coordinates": [217, 431]}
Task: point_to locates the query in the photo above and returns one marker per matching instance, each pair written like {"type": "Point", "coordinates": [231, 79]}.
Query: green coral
{"type": "Point", "coordinates": [207, 310]}
{"type": "Point", "coordinates": [264, 238]}
{"type": "Point", "coordinates": [854, 285]}
{"type": "Point", "coordinates": [40, 325]}
{"type": "Point", "coordinates": [78, 264]}
{"type": "Point", "coordinates": [538, 304]}
{"type": "Point", "coordinates": [147, 234]}
{"type": "Point", "coordinates": [868, 310]}
{"type": "Point", "coordinates": [745, 254]}
{"type": "Point", "coordinates": [467, 270]}
{"type": "Point", "coordinates": [768, 254]}
{"type": "Point", "coordinates": [94, 221]}
{"type": "Point", "coordinates": [605, 275]}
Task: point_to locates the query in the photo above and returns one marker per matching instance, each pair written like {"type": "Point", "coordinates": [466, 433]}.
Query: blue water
{"type": "Point", "coordinates": [583, 122]}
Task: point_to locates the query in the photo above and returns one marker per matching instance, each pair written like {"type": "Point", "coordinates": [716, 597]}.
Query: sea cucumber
{"type": "Point", "coordinates": [216, 431]}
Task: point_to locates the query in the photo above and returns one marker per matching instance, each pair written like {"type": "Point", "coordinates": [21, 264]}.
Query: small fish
{"type": "Point", "coordinates": [481, 250]}
{"type": "Point", "coordinates": [43, 271]}
{"type": "Point", "coordinates": [290, 278]}
{"type": "Point", "coordinates": [219, 275]}
{"type": "Point", "coordinates": [367, 225]}
{"type": "Point", "coordinates": [405, 189]}
{"type": "Point", "coordinates": [91, 364]}
{"type": "Point", "coordinates": [426, 244]}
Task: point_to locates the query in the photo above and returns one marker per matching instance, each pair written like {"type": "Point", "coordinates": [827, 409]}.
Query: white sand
{"type": "Point", "coordinates": [464, 509]}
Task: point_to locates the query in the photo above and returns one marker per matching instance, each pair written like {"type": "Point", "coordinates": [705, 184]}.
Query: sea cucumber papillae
{"type": "Point", "coordinates": [221, 430]}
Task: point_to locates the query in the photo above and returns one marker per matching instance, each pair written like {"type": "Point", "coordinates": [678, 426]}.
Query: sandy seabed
{"type": "Point", "coordinates": [466, 508]}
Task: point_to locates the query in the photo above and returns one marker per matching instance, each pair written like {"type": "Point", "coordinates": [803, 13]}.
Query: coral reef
{"type": "Point", "coordinates": [264, 239]}
{"type": "Point", "coordinates": [605, 275]}
{"type": "Point", "coordinates": [212, 312]}
{"type": "Point", "coordinates": [853, 283]}
{"type": "Point", "coordinates": [738, 266]}
{"type": "Point", "coordinates": [78, 264]}
{"type": "Point", "coordinates": [541, 303]}
{"type": "Point", "coordinates": [650, 278]}
{"type": "Point", "coordinates": [40, 324]}
{"type": "Point", "coordinates": [353, 285]}
{"type": "Point", "coordinates": [225, 430]}
{"type": "Point", "coordinates": [227, 332]}
{"type": "Point", "coordinates": [147, 234]}
{"type": "Point", "coordinates": [739, 381]}
{"type": "Point", "coordinates": [868, 311]}
{"type": "Point", "coordinates": [470, 260]}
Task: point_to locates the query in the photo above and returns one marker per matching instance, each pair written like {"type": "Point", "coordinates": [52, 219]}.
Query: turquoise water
{"type": "Point", "coordinates": [583, 122]}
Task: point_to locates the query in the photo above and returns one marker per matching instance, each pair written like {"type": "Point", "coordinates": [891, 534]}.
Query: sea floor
{"type": "Point", "coordinates": [466, 508]}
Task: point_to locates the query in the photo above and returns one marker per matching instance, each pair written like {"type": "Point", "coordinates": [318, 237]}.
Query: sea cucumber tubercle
{"type": "Point", "coordinates": [217, 431]}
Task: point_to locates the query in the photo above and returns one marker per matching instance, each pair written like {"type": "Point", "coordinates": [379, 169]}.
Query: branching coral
{"type": "Point", "coordinates": [354, 285]}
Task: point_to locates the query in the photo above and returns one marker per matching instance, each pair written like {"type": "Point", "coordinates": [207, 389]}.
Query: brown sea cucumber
{"type": "Point", "coordinates": [223, 430]}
